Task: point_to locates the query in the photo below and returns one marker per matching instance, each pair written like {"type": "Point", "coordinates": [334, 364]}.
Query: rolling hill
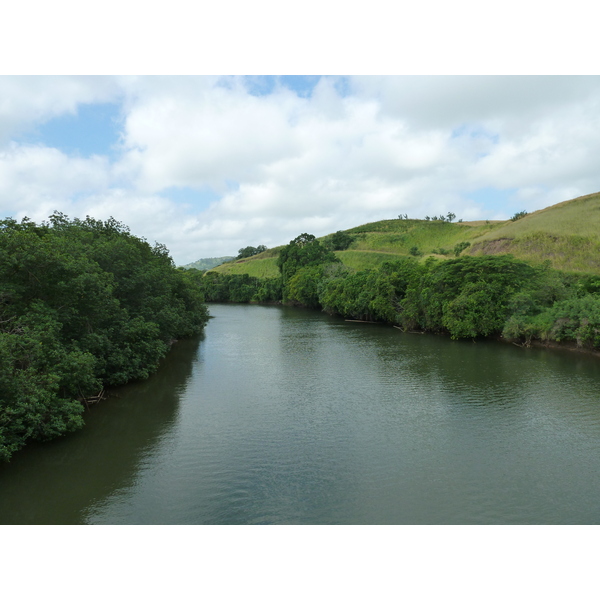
{"type": "Point", "coordinates": [566, 234]}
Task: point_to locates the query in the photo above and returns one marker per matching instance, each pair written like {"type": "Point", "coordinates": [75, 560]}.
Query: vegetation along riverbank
{"type": "Point", "coordinates": [84, 304]}
{"type": "Point", "coordinates": [533, 278]}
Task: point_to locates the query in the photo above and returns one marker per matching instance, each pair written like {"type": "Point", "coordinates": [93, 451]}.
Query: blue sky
{"type": "Point", "coordinates": [93, 129]}
{"type": "Point", "coordinates": [262, 85]}
{"type": "Point", "coordinates": [495, 199]}
{"type": "Point", "coordinates": [207, 165]}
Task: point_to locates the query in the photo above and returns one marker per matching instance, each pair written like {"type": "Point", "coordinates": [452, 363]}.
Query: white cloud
{"type": "Point", "coordinates": [28, 101]}
{"type": "Point", "coordinates": [283, 164]}
{"type": "Point", "coordinates": [35, 180]}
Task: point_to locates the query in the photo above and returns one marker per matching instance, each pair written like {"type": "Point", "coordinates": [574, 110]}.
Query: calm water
{"type": "Point", "coordinates": [282, 415]}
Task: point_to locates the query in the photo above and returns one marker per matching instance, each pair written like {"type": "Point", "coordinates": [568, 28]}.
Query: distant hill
{"type": "Point", "coordinates": [205, 264]}
{"type": "Point", "coordinates": [566, 234]}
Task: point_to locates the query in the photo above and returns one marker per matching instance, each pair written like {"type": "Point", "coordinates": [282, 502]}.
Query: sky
{"type": "Point", "coordinates": [210, 164]}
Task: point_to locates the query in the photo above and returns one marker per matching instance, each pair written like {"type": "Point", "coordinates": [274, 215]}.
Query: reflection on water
{"type": "Point", "coordinates": [60, 482]}
{"type": "Point", "coordinates": [284, 415]}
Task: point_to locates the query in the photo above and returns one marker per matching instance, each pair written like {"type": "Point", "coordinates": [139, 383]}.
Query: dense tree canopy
{"type": "Point", "coordinates": [83, 304]}
{"type": "Point", "coordinates": [303, 251]}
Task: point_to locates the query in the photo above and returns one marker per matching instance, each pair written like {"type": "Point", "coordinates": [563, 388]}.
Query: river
{"type": "Point", "coordinates": [281, 415]}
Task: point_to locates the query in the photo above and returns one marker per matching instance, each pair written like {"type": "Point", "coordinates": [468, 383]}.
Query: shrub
{"type": "Point", "coordinates": [458, 248]}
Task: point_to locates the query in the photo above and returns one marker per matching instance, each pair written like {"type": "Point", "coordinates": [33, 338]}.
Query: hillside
{"type": "Point", "coordinates": [205, 264]}
{"type": "Point", "coordinates": [567, 234]}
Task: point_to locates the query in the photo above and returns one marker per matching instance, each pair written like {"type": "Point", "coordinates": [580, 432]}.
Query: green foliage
{"type": "Point", "coordinates": [270, 291]}
{"type": "Point", "coordinates": [518, 215]}
{"type": "Point", "coordinates": [567, 234]}
{"type": "Point", "coordinates": [414, 251]}
{"type": "Point", "coordinates": [216, 287]}
{"type": "Point", "coordinates": [83, 304]}
{"type": "Point", "coordinates": [249, 251]}
{"type": "Point", "coordinates": [475, 311]}
{"type": "Point", "coordinates": [303, 251]}
{"type": "Point", "coordinates": [575, 319]}
{"type": "Point", "coordinates": [458, 248]}
{"type": "Point", "coordinates": [303, 286]}
{"type": "Point", "coordinates": [39, 380]}
{"type": "Point", "coordinates": [339, 241]}
{"type": "Point", "coordinates": [370, 295]}
{"type": "Point", "coordinates": [467, 296]}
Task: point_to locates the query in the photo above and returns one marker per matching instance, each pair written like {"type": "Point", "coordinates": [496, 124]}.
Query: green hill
{"type": "Point", "coordinates": [566, 234]}
{"type": "Point", "coordinates": [260, 265]}
{"type": "Point", "coordinates": [205, 264]}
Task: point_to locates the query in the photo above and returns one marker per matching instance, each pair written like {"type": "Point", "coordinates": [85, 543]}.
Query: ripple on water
{"type": "Point", "coordinates": [289, 416]}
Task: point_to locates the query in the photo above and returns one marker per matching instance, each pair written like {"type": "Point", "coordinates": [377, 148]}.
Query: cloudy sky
{"type": "Point", "coordinates": [209, 164]}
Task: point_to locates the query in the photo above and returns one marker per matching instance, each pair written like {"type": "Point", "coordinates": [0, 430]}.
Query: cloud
{"type": "Point", "coordinates": [448, 101]}
{"type": "Point", "coordinates": [35, 180]}
{"type": "Point", "coordinates": [29, 101]}
{"type": "Point", "coordinates": [272, 163]}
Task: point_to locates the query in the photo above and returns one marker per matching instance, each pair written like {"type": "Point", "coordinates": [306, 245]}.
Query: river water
{"type": "Point", "coordinates": [280, 415]}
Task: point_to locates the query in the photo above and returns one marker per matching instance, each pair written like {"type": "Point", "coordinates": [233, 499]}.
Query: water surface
{"type": "Point", "coordinates": [287, 416]}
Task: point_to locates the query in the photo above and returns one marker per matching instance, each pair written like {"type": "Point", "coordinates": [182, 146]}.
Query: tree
{"type": "Point", "coordinates": [303, 251]}
{"type": "Point", "coordinates": [467, 296]}
{"type": "Point", "coordinates": [303, 286]}
{"type": "Point", "coordinates": [83, 304]}
{"type": "Point", "coordinates": [340, 240]}
{"type": "Point", "coordinates": [249, 251]}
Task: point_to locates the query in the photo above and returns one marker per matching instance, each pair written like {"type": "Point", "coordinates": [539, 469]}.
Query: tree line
{"type": "Point", "coordinates": [464, 297]}
{"type": "Point", "coordinates": [84, 304]}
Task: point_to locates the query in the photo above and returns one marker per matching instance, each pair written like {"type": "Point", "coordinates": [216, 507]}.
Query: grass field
{"type": "Point", "coordinates": [426, 236]}
{"type": "Point", "coordinates": [362, 260]}
{"type": "Point", "coordinates": [580, 216]}
{"type": "Point", "coordinates": [256, 267]}
{"type": "Point", "coordinates": [566, 234]}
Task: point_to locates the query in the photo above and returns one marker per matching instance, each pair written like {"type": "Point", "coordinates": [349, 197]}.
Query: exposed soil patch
{"type": "Point", "coordinates": [500, 246]}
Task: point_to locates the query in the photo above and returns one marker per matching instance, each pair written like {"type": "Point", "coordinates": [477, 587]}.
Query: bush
{"type": "Point", "coordinates": [577, 320]}
{"type": "Point", "coordinates": [518, 215]}
{"type": "Point", "coordinates": [458, 248]}
{"type": "Point", "coordinates": [340, 241]}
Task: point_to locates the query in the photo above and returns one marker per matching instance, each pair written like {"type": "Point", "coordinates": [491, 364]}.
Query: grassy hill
{"type": "Point", "coordinates": [205, 264]}
{"type": "Point", "coordinates": [566, 234]}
